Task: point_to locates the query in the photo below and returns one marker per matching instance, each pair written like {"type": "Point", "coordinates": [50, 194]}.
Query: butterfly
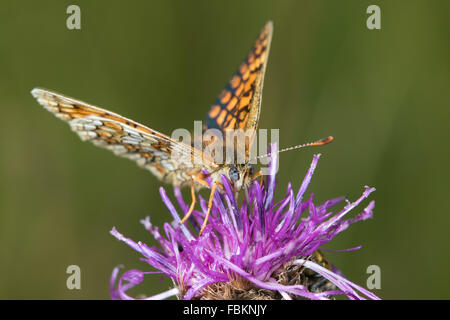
{"type": "Point", "coordinates": [236, 108]}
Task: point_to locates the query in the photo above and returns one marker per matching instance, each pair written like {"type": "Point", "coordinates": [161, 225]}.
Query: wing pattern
{"type": "Point", "coordinates": [148, 148]}
{"type": "Point", "coordinates": [238, 106]}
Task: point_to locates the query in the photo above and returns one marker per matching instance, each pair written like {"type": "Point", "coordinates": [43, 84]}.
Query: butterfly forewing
{"type": "Point", "coordinates": [239, 104]}
{"type": "Point", "coordinates": [148, 148]}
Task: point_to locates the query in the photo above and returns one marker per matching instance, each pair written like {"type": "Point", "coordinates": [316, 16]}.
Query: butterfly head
{"type": "Point", "coordinates": [240, 175]}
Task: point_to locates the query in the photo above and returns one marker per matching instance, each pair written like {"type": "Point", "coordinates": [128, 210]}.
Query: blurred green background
{"type": "Point", "coordinates": [383, 94]}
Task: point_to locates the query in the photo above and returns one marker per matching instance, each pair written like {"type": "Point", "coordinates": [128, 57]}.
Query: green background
{"type": "Point", "coordinates": [383, 94]}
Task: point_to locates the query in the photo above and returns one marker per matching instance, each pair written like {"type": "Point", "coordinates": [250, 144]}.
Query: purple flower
{"type": "Point", "coordinates": [259, 250]}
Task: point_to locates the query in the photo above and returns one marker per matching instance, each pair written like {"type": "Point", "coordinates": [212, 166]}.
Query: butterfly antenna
{"type": "Point", "coordinates": [320, 142]}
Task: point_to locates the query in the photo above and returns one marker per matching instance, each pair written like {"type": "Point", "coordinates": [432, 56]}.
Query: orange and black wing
{"type": "Point", "coordinates": [239, 104]}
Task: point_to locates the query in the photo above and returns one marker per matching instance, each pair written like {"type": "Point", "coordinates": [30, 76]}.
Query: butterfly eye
{"type": "Point", "coordinates": [233, 174]}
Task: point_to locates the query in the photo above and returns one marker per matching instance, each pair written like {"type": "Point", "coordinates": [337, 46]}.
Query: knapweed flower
{"type": "Point", "coordinates": [261, 249]}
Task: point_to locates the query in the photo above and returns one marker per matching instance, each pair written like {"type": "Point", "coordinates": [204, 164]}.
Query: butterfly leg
{"type": "Point", "coordinates": [211, 197]}
{"type": "Point", "coordinates": [191, 208]}
{"type": "Point", "coordinates": [260, 176]}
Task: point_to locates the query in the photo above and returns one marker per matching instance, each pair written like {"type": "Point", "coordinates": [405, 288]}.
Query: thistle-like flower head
{"type": "Point", "coordinates": [261, 249]}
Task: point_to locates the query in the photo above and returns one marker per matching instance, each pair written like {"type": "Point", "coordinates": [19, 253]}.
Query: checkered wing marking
{"type": "Point", "coordinates": [239, 104]}
{"type": "Point", "coordinates": [148, 148]}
